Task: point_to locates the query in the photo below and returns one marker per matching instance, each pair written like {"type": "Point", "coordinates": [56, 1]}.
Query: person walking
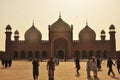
{"type": "Point", "coordinates": [98, 63]}
{"type": "Point", "coordinates": [109, 65]}
{"type": "Point", "coordinates": [88, 67]}
{"type": "Point", "coordinates": [77, 64]}
{"type": "Point", "coordinates": [51, 69]}
{"type": "Point", "coordinates": [6, 62]}
{"type": "Point", "coordinates": [57, 61]}
{"type": "Point", "coordinates": [9, 62]}
{"type": "Point", "coordinates": [94, 66]}
{"type": "Point", "coordinates": [35, 64]}
{"type": "Point", "coordinates": [118, 64]}
{"type": "Point", "coordinates": [3, 62]}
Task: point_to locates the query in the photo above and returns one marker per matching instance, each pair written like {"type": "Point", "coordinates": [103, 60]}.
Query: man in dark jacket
{"type": "Point", "coordinates": [109, 65]}
{"type": "Point", "coordinates": [35, 64]}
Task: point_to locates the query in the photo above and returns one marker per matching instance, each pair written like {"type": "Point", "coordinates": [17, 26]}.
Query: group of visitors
{"type": "Point", "coordinates": [93, 64]}
{"type": "Point", "coordinates": [50, 67]}
{"type": "Point", "coordinates": [110, 63]}
{"type": "Point", "coordinates": [6, 62]}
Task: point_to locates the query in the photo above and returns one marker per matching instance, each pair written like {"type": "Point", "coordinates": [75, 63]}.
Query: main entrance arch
{"type": "Point", "coordinates": [60, 48]}
{"type": "Point", "coordinates": [60, 54]}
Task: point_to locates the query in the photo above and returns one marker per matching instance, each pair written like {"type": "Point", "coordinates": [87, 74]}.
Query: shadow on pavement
{"type": "Point", "coordinates": [114, 77]}
{"type": "Point", "coordinates": [93, 78]}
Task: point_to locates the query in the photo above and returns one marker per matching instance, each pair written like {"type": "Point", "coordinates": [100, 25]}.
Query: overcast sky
{"type": "Point", "coordinates": [20, 14]}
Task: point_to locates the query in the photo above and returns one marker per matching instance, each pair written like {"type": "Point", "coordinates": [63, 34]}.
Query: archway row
{"type": "Point", "coordinates": [85, 54]}
{"type": "Point", "coordinates": [28, 54]}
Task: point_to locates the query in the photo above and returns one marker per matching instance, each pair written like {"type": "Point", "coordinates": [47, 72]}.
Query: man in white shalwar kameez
{"type": "Point", "coordinates": [88, 69]}
{"type": "Point", "coordinates": [94, 67]}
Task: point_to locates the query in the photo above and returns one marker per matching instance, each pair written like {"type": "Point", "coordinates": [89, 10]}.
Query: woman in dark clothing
{"type": "Point", "coordinates": [35, 64]}
{"type": "Point", "coordinates": [77, 64]}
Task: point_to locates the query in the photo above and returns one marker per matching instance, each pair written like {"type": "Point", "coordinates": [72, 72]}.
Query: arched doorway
{"type": "Point", "coordinates": [77, 53]}
{"type": "Point", "coordinates": [98, 53]}
{"type": "Point", "coordinates": [37, 54]}
{"type": "Point", "coordinates": [44, 54]}
{"type": "Point", "coordinates": [30, 55]}
{"type": "Point", "coordinates": [60, 48]}
{"type": "Point", "coordinates": [105, 56]}
{"type": "Point", "coordinates": [22, 54]}
{"type": "Point", "coordinates": [60, 54]}
{"type": "Point", "coordinates": [84, 54]}
{"type": "Point", "coordinates": [16, 55]}
{"type": "Point", "coordinates": [91, 54]}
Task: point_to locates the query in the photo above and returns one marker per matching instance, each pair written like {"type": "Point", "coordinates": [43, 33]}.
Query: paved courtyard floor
{"type": "Point", "coordinates": [22, 70]}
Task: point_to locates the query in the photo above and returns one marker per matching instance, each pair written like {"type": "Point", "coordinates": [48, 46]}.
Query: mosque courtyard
{"type": "Point", "coordinates": [22, 70]}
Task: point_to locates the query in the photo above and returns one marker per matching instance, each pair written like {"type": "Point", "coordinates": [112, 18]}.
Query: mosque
{"type": "Point", "coordinates": [60, 42]}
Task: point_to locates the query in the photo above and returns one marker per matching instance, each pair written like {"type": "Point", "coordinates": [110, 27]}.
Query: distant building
{"type": "Point", "coordinates": [60, 42]}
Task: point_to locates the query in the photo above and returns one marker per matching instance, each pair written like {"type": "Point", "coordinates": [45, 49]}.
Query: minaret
{"type": "Point", "coordinates": [102, 35]}
{"type": "Point", "coordinates": [16, 35]}
{"type": "Point", "coordinates": [8, 33]}
{"type": "Point", "coordinates": [8, 41]}
{"type": "Point", "coordinates": [112, 40]}
{"type": "Point", "coordinates": [112, 33]}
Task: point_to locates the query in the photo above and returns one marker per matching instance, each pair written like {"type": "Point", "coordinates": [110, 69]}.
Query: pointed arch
{"type": "Point", "coordinates": [77, 53]}
{"type": "Point", "coordinates": [16, 55]}
{"type": "Point", "coordinates": [30, 54]}
{"type": "Point", "coordinates": [84, 54]}
{"type": "Point", "coordinates": [44, 54]}
{"type": "Point", "coordinates": [98, 53]}
{"type": "Point", "coordinates": [22, 54]}
{"type": "Point", "coordinates": [91, 53]}
{"type": "Point", "coordinates": [37, 54]}
{"type": "Point", "coordinates": [105, 54]}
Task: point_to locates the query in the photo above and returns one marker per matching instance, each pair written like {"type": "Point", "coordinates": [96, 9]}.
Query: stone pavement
{"type": "Point", "coordinates": [22, 70]}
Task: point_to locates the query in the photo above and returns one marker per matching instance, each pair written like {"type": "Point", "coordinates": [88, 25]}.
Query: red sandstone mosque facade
{"type": "Point", "coordinates": [60, 42]}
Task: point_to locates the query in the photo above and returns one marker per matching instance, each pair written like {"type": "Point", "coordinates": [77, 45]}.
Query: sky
{"type": "Point", "coordinates": [100, 14]}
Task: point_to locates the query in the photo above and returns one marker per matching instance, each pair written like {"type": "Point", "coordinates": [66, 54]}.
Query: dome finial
{"type": "Point", "coordinates": [60, 14]}
{"type": "Point", "coordinates": [33, 23]}
{"type": "Point", "coordinates": [86, 22]}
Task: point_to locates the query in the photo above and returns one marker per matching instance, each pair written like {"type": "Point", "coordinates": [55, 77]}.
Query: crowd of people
{"type": "Point", "coordinates": [6, 62]}
{"type": "Point", "coordinates": [92, 64]}
{"type": "Point", "coordinates": [50, 67]}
